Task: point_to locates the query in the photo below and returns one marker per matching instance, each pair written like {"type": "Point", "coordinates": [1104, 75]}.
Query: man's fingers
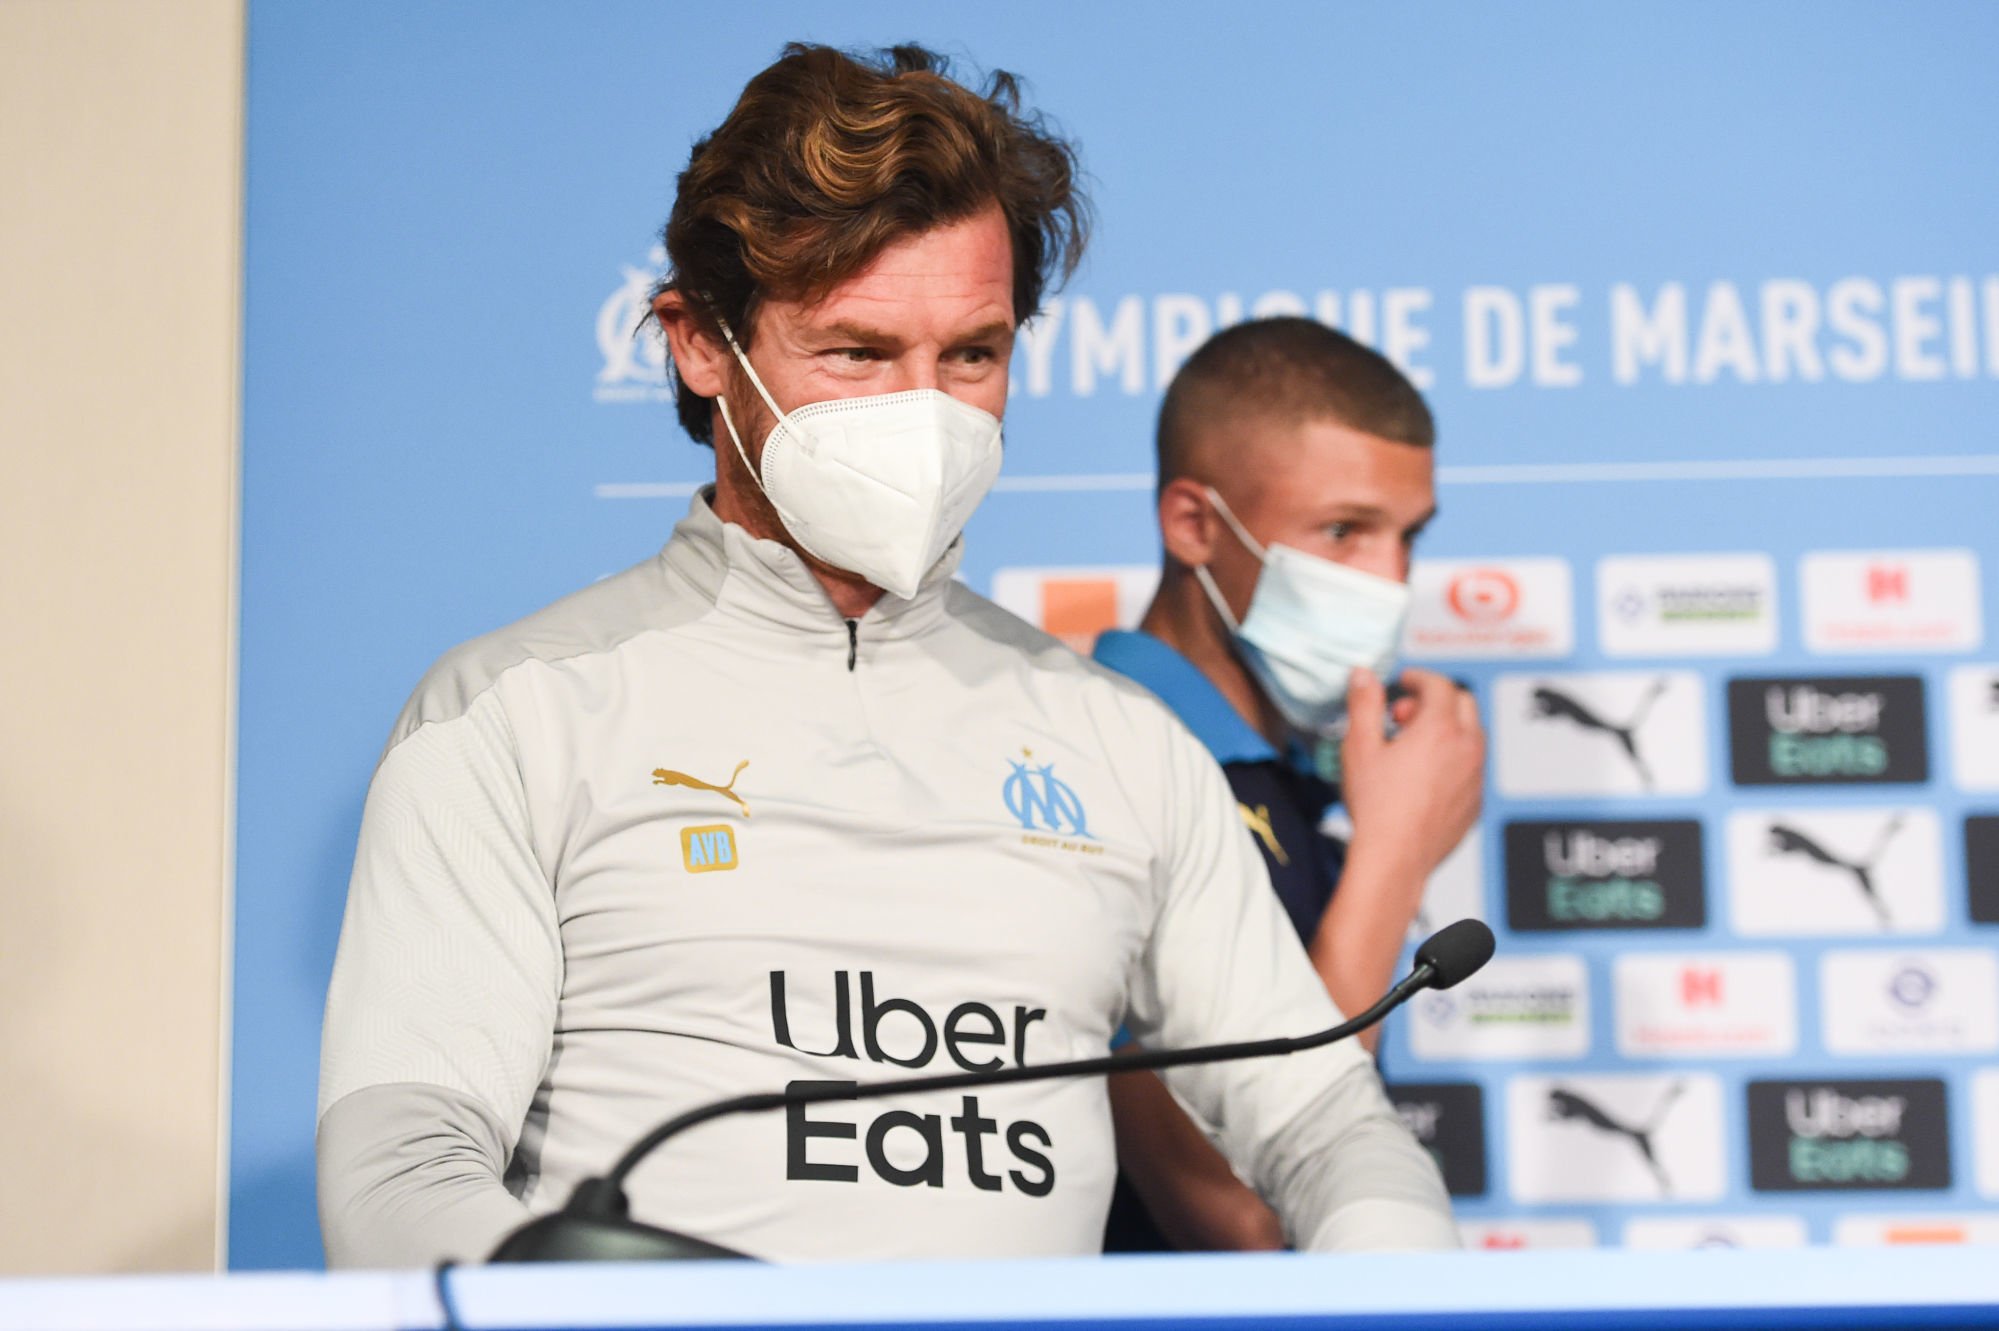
{"type": "Point", "coordinates": [1427, 686]}
{"type": "Point", "coordinates": [1467, 709]}
{"type": "Point", "coordinates": [1367, 709]}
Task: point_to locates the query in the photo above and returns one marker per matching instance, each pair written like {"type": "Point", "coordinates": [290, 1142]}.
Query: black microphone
{"type": "Point", "coordinates": [596, 1225]}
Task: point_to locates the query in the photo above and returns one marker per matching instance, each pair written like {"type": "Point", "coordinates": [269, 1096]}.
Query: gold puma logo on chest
{"type": "Point", "coordinates": [664, 777]}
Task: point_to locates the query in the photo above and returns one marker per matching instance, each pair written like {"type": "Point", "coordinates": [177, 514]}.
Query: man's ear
{"type": "Point", "coordinates": [1187, 523]}
{"type": "Point", "coordinates": [700, 357]}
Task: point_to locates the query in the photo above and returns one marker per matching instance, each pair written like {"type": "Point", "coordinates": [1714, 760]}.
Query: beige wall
{"type": "Point", "coordinates": [121, 141]}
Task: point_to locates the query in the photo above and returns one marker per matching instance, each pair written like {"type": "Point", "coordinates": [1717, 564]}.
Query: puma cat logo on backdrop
{"type": "Point", "coordinates": [663, 777]}
{"type": "Point", "coordinates": [1567, 1105]}
{"type": "Point", "coordinates": [1790, 841]}
{"type": "Point", "coordinates": [1550, 702]}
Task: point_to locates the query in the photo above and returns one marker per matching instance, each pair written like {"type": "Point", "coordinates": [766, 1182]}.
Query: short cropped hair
{"type": "Point", "coordinates": [828, 158]}
{"type": "Point", "coordinates": [1290, 370]}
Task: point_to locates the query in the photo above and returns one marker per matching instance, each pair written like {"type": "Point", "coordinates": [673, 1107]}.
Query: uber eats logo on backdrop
{"type": "Point", "coordinates": [1845, 1135]}
{"type": "Point", "coordinates": [1604, 875]}
{"type": "Point", "coordinates": [1827, 731]}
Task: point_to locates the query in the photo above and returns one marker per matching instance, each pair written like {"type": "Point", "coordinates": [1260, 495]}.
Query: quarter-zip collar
{"type": "Point", "coordinates": [766, 584]}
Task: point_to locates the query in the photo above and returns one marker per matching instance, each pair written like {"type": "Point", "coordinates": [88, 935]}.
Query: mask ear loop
{"type": "Point", "coordinates": [722, 402]}
{"type": "Point", "coordinates": [1241, 532]}
{"type": "Point", "coordinates": [1206, 579]}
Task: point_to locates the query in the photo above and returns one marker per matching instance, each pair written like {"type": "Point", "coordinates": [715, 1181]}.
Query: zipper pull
{"type": "Point", "coordinates": [853, 642]}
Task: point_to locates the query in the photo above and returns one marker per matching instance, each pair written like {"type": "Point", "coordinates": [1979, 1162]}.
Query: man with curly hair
{"type": "Point", "coordinates": [788, 804]}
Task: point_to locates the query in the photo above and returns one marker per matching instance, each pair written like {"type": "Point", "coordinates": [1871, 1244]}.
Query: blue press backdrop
{"type": "Point", "coordinates": [445, 202]}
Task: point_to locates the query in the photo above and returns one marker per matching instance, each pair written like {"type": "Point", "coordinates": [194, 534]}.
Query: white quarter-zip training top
{"type": "Point", "coordinates": [689, 834]}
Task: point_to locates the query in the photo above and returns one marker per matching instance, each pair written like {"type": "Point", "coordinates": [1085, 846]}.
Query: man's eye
{"type": "Point", "coordinates": [1339, 531]}
{"type": "Point", "coordinates": [856, 354]}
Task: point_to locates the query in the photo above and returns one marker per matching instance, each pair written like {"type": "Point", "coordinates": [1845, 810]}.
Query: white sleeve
{"type": "Point", "coordinates": [406, 1178]}
{"type": "Point", "coordinates": [1313, 1131]}
{"type": "Point", "coordinates": [450, 960]}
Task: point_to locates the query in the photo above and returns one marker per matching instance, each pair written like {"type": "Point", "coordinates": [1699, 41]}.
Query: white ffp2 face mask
{"type": "Point", "coordinates": [878, 485]}
{"type": "Point", "coordinates": [1310, 623]}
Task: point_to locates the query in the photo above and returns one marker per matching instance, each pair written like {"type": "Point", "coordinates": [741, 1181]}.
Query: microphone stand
{"type": "Point", "coordinates": [596, 1224]}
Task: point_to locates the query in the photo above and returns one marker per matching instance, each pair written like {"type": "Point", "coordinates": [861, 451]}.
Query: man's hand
{"type": "Point", "coordinates": [1412, 798]}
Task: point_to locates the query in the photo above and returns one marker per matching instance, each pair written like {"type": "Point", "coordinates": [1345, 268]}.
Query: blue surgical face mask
{"type": "Point", "coordinates": [1310, 623]}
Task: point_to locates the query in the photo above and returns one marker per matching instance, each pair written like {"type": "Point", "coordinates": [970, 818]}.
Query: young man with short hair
{"type": "Point", "coordinates": [1295, 474]}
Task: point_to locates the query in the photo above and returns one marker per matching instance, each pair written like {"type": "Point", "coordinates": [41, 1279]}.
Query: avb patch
{"type": "Point", "coordinates": [1478, 610]}
{"type": "Point", "coordinates": [1517, 1007]}
{"type": "Point", "coordinates": [1841, 730]}
{"type": "Point", "coordinates": [1686, 605]}
{"type": "Point", "coordinates": [1944, 1000]}
{"type": "Point", "coordinates": [1601, 874]}
{"type": "Point", "coordinates": [1835, 871]}
{"type": "Point", "coordinates": [1889, 601]}
{"type": "Point", "coordinates": [709, 849]}
{"type": "Point", "coordinates": [1981, 866]}
{"type": "Point", "coordinates": [1448, 1121]}
{"type": "Point", "coordinates": [1619, 733]}
{"type": "Point", "coordinates": [1615, 1138]}
{"type": "Point", "coordinates": [1076, 604]}
{"type": "Point", "coordinates": [1842, 1136]}
{"type": "Point", "coordinates": [1671, 1005]}
{"type": "Point", "coordinates": [1518, 1235]}
{"type": "Point", "coordinates": [1918, 1229]}
{"type": "Point", "coordinates": [1974, 726]}
{"type": "Point", "coordinates": [1716, 1231]}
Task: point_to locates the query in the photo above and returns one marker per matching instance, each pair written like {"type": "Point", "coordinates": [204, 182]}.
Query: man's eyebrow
{"type": "Point", "coordinates": [997, 329]}
{"type": "Point", "coordinates": [855, 331]}
{"type": "Point", "coordinates": [848, 330]}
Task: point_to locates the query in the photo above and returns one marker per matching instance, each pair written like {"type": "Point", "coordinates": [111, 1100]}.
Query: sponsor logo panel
{"type": "Point", "coordinates": [1891, 601]}
{"type": "Point", "coordinates": [1687, 605]}
{"type": "Point", "coordinates": [1974, 726]}
{"type": "Point", "coordinates": [1839, 1136]}
{"type": "Point", "coordinates": [1981, 866]}
{"type": "Point", "coordinates": [1604, 875]}
{"type": "Point", "coordinates": [1873, 1231]}
{"type": "Point", "coordinates": [1517, 1007]}
{"type": "Point", "coordinates": [1716, 1231]}
{"type": "Point", "coordinates": [1827, 730]}
{"type": "Point", "coordinates": [1479, 610]}
{"type": "Point", "coordinates": [1709, 1003]}
{"type": "Point", "coordinates": [1835, 871]}
{"type": "Point", "coordinates": [1943, 1001]}
{"type": "Point", "coordinates": [1076, 603]}
{"type": "Point", "coordinates": [1985, 1128]}
{"type": "Point", "coordinates": [1615, 733]}
{"type": "Point", "coordinates": [1615, 1138]}
{"type": "Point", "coordinates": [1448, 1120]}
{"type": "Point", "coordinates": [1515, 1235]}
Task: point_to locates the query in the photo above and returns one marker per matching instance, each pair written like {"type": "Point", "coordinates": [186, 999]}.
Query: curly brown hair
{"type": "Point", "coordinates": [829, 157]}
